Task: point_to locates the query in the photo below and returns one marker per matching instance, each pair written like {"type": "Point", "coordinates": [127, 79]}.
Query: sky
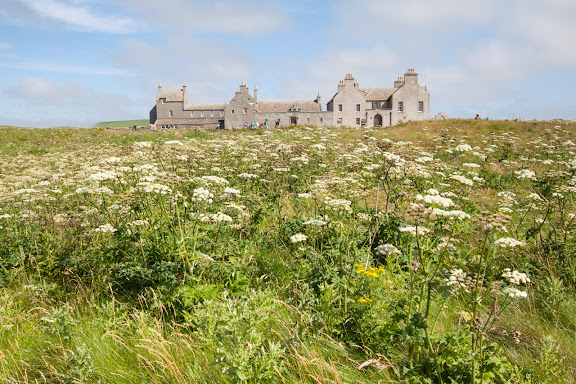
{"type": "Point", "coordinates": [80, 62]}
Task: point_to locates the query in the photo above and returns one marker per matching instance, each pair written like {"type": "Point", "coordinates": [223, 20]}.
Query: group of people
{"type": "Point", "coordinates": [259, 125]}
{"type": "Point", "coordinates": [256, 125]}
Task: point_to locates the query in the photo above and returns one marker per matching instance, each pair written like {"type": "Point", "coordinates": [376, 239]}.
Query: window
{"type": "Point", "coordinates": [339, 120]}
{"type": "Point", "coordinates": [211, 113]}
{"type": "Point", "coordinates": [357, 107]}
{"type": "Point", "coordinates": [420, 106]}
{"type": "Point", "coordinates": [163, 101]}
{"type": "Point", "coordinates": [221, 113]}
{"type": "Point", "coordinates": [357, 121]}
{"type": "Point", "coordinates": [201, 113]}
{"type": "Point", "coordinates": [232, 111]}
{"type": "Point", "coordinates": [170, 114]}
{"type": "Point", "coordinates": [244, 111]}
{"type": "Point", "coordinates": [321, 119]}
{"type": "Point", "coordinates": [192, 114]}
{"type": "Point", "coordinates": [400, 106]}
{"type": "Point", "coordinates": [375, 104]}
{"type": "Point", "coordinates": [339, 107]}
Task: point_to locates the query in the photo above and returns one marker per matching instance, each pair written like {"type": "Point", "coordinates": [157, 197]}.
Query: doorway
{"type": "Point", "coordinates": [293, 120]}
{"type": "Point", "coordinates": [378, 120]}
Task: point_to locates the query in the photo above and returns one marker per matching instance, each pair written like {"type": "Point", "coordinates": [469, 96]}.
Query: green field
{"type": "Point", "coordinates": [430, 252]}
{"type": "Point", "coordinates": [124, 123]}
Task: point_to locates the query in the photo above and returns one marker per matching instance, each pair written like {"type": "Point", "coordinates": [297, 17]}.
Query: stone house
{"type": "Point", "coordinates": [351, 106]}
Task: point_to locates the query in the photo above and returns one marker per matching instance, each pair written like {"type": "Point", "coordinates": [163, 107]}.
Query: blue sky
{"type": "Point", "coordinates": [79, 62]}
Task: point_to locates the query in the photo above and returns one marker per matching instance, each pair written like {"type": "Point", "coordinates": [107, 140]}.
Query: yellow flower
{"type": "Point", "coordinates": [364, 300]}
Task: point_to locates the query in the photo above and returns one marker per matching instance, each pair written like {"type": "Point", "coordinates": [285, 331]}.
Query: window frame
{"type": "Point", "coordinates": [420, 106]}
{"type": "Point", "coordinates": [400, 106]}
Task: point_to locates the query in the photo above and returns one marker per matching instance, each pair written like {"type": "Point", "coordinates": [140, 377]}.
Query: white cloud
{"type": "Point", "coordinates": [63, 68]}
{"type": "Point", "coordinates": [371, 67]}
{"type": "Point", "coordinates": [40, 102]}
{"type": "Point", "coordinates": [41, 89]}
{"type": "Point", "coordinates": [211, 68]}
{"type": "Point", "coordinates": [231, 16]}
{"type": "Point", "coordinates": [5, 45]}
{"type": "Point", "coordinates": [80, 17]}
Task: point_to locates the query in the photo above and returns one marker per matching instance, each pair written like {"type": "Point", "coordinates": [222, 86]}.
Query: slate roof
{"type": "Point", "coordinates": [204, 107]}
{"type": "Point", "coordinates": [171, 94]}
{"type": "Point", "coordinates": [305, 105]}
{"type": "Point", "coordinates": [378, 94]}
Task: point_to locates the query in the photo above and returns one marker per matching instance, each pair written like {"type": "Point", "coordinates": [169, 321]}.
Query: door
{"type": "Point", "coordinates": [293, 120]}
{"type": "Point", "coordinates": [378, 120]}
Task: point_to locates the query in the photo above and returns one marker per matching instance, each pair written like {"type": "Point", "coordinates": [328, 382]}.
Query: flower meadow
{"type": "Point", "coordinates": [430, 252]}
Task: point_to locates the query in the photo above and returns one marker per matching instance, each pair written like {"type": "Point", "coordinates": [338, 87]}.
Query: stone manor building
{"type": "Point", "coordinates": [351, 106]}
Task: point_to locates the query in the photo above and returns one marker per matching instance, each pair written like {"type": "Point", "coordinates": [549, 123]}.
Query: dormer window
{"type": "Point", "coordinates": [163, 100]}
{"type": "Point", "coordinates": [192, 114]}
{"type": "Point", "coordinates": [375, 104]}
{"type": "Point", "coordinates": [170, 113]}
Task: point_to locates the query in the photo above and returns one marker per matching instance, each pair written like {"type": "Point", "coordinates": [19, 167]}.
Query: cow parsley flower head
{"type": "Point", "coordinates": [298, 238]}
{"type": "Point", "coordinates": [387, 250]}
{"type": "Point", "coordinates": [525, 174]}
{"type": "Point", "coordinates": [106, 228]}
{"type": "Point", "coordinates": [202, 194]}
{"type": "Point", "coordinates": [514, 292]}
{"type": "Point", "coordinates": [514, 277]}
{"type": "Point", "coordinates": [414, 231]}
{"type": "Point", "coordinates": [508, 242]}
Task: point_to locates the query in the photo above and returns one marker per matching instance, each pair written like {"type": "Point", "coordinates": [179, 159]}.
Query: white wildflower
{"type": "Point", "coordinates": [215, 180]}
{"type": "Point", "coordinates": [155, 188]}
{"type": "Point", "coordinates": [463, 148]}
{"type": "Point", "coordinates": [202, 194]}
{"type": "Point", "coordinates": [461, 179]}
{"type": "Point", "coordinates": [457, 278]}
{"type": "Point", "coordinates": [436, 200]}
{"type": "Point", "coordinates": [525, 174]}
{"type": "Point", "coordinates": [106, 228]}
{"type": "Point", "coordinates": [508, 242]}
{"type": "Point", "coordinates": [514, 277]}
{"type": "Point", "coordinates": [298, 238]}
{"type": "Point", "coordinates": [387, 250]}
{"type": "Point", "coordinates": [414, 231]}
{"type": "Point", "coordinates": [514, 292]}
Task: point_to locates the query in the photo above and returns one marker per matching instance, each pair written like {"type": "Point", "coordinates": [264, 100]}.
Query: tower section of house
{"type": "Point", "coordinates": [240, 110]}
{"type": "Point", "coordinates": [348, 105]}
{"type": "Point", "coordinates": [410, 101]}
{"type": "Point", "coordinates": [173, 111]}
{"type": "Point", "coordinates": [378, 106]}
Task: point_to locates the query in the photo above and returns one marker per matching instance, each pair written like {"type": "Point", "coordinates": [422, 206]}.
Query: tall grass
{"type": "Point", "coordinates": [430, 252]}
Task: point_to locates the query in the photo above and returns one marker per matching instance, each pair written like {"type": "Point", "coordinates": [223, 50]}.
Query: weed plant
{"type": "Point", "coordinates": [432, 252]}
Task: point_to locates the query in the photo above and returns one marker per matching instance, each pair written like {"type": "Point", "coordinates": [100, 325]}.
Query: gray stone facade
{"type": "Point", "coordinates": [351, 106]}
